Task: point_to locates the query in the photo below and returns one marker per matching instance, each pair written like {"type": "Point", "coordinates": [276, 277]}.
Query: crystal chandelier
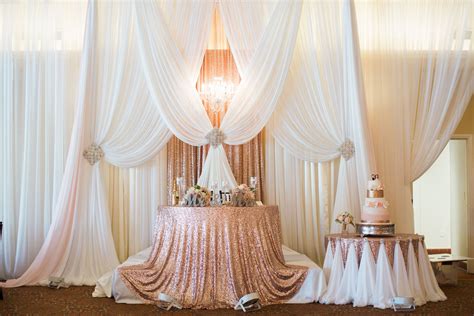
{"type": "Point", "coordinates": [217, 93]}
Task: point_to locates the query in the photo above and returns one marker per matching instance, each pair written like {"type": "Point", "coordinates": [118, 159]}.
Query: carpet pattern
{"type": "Point", "coordinates": [78, 300]}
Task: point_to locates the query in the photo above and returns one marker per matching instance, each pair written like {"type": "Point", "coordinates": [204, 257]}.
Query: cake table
{"type": "Point", "coordinates": [373, 270]}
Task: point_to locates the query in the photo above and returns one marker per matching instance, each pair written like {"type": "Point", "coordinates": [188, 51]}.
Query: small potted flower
{"type": "Point", "coordinates": [345, 218]}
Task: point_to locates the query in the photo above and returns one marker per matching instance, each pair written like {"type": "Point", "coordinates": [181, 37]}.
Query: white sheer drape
{"type": "Point", "coordinates": [79, 245]}
{"type": "Point", "coordinates": [40, 46]}
{"type": "Point", "coordinates": [264, 73]}
{"type": "Point", "coordinates": [124, 123]}
{"type": "Point", "coordinates": [305, 193]}
{"type": "Point", "coordinates": [417, 61]}
{"type": "Point", "coordinates": [169, 71]}
{"type": "Point", "coordinates": [323, 103]}
{"type": "Point", "coordinates": [133, 195]}
{"type": "Point", "coordinates": [172, 88]}
{"type": "Point", "coordinates": [130, 113]}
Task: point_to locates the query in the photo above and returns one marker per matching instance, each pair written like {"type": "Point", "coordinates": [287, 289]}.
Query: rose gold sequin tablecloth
{"type": "Point", "coordinates": [374, 243]}
{"type": "Point", "coordinates": [208, 257]}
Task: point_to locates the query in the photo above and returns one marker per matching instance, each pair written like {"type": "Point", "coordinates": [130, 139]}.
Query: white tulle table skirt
{"type": "Point", "coordinates": [371, 271]}
{"type": "Point", "coordinates": [110, 285]}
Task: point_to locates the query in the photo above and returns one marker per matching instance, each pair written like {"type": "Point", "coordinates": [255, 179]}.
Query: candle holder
{"type": "Point", "coordinates": [181, 183]}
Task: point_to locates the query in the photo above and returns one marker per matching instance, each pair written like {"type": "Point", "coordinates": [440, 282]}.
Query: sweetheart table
{"type": "Point", "coordinates": [373, 270]}
{"type": "Point", "coordinates": [208, 257]}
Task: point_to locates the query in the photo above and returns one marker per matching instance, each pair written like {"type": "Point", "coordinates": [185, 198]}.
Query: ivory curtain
{"type": "Point", "coordinates": [323, 104]}
{"type": "Point", "coordinates": [108, 112]}
{"type": "Point", "coordinates": [40, 49]}
{"type": "Point", "coordinates": [177, 100]}
{"type": "Point", "coordinates": [81, 227]}
{"type": "Point", "coordinates": [305, 193]}
{"type": "Point", "coordinates": [40, 45]}
{"type": "Point", "coordinates": [417, 62]}
{"type": "Point", "coordinates": [81, 207]}
{"type": "Point", "coordinates": [133, 195]}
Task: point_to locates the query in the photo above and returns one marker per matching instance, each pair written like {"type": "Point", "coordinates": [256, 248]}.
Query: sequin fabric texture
{"type": "Point", "coordinates": [208, 257]}
{"type": "Point", "coordinates": [374, 243]}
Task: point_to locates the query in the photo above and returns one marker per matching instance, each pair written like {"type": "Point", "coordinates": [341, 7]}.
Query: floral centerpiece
{"type": "Point", "coordinates": [345, 218]}
{"type": "Point", "coordinates": [197, 196]}
{"type": "Point", "coordinates": [243, 196]}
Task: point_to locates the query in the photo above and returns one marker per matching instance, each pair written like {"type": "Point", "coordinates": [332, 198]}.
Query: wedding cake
{"type": "Point", "coordinates": [375, 218]}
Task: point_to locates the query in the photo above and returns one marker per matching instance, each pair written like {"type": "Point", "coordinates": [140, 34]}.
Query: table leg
{"type": "Point", "coordinates": [455, 275]}
{"type": "Point", "coordinates": [446, 273]}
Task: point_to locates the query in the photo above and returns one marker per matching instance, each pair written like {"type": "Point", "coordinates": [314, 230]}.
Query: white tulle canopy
{"type": "Point", "coordinates": [171, 74]}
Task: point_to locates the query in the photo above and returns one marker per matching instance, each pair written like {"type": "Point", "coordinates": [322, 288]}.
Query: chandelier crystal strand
{"type": "Point", "coordinates": [217, 93]}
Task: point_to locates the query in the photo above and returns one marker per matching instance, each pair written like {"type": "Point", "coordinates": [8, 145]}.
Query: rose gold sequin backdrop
{"type": "Point", "coordinates": [245, 160]}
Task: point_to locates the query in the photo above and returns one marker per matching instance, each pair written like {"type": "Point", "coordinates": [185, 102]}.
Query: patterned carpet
{"type": "Point", "coordinates": [78, 300]}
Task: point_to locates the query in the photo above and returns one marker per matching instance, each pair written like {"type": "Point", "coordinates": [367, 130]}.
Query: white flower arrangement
{"type": "Point", "coordinates": [197, 196]}
{"type": "Point", "coordinates": [345, 218]}
{"type": "Point", "coordinates": [243, 196]}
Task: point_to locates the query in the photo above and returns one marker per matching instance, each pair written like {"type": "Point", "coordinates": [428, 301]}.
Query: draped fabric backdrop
{"type": "Point", "coordinates": [305, 193]}
{"type": "Point", "coordinates": [245, 160]}
{"type": "Point", "coordinates": [40, 50]}
{"type": "Point", "coordinates": [418, 69]}
{"type": "Point", "coordinates": [135, 85]}
{"type": "Point", "coordinates": [256, 96]}
{"type": "Point", "coordinates": [79, 245]}
{"type": "Point", "coordinates": [323, 103]}
{"type": "Point", "coordinates": [133, 197]}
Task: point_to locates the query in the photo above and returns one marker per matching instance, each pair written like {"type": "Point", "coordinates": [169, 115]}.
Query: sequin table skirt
{"type": "Point", "coordinates": [208, 257]}
{"type": "Point", "coordinates": [374, 270]}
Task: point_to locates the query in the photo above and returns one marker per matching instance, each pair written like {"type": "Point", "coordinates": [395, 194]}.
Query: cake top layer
{"type": "Point", "coordinates": [375, 184]}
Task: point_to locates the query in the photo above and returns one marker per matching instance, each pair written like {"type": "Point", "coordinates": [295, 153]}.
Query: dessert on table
{"type": "Point", "coordinates": [375, 217]}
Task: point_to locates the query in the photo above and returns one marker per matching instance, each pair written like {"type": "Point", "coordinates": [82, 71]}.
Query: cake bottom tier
{"type": "Point", "coordinates": [375, 215]}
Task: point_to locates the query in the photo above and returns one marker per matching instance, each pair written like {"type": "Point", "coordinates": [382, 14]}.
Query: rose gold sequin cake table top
{"type": "Point", "coordinates": [208, 257]}
{"type": "Point", "coordinates": [374, 243]}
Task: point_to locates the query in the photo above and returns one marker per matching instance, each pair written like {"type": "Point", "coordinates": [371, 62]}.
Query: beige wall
{"type": "Point", "coordinates": [466, 127]}
{"type": "Point", "coordinates": [431, 199]}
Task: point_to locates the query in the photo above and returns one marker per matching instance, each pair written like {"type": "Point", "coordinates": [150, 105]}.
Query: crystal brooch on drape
{"type": "Point", "coordinates": [215, 137]}
{"type": "Point", "coordinates": [347, 149]}
{"type": "Point", "coordinates": [93, 154]}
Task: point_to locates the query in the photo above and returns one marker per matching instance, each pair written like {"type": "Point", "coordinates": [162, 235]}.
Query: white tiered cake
{"type": "Point", "coordinates": [375, 218]}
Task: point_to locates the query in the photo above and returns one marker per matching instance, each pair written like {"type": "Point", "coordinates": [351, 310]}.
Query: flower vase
{"type": "Point", "coordinates": [344, 229]}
